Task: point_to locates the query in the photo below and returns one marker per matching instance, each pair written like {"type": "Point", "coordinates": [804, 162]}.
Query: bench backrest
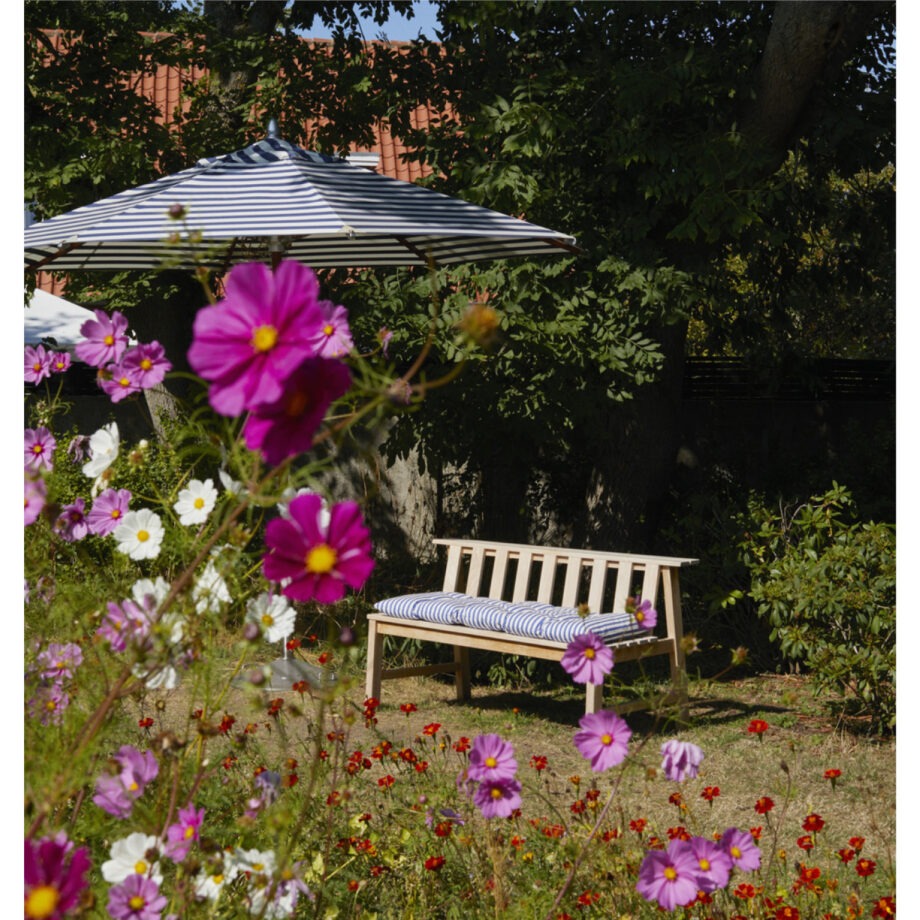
{"type": "Point", "coordinates": [554, 575]}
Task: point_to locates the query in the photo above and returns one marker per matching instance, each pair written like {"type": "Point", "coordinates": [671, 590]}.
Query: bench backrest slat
{"type": "Point", "coordinates": [499, 571]}
{"type": "Point", "coordinates": [522, 578]}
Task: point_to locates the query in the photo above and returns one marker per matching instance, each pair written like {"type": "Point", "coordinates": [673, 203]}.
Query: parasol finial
{"type": "Point", "coordinates": [272, 128]}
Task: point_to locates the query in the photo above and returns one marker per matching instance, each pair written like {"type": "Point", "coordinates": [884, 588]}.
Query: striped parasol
{"type": "Point", "coordinates": [273, 200]}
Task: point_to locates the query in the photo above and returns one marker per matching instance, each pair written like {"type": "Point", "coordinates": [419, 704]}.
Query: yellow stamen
{"type": "Point", "coordinates": [146, 364]}
{"type": "Point", "coordinates": [704, 865]}
{"type": "Point", "coordinates": [36, 367]}
{"type": "Point", "coordinates": [264, 338]}
{"type": "Point", "coordinates": [491, 762]}
{"type": "Point", "coordinates": [140, 867]}
{"type": "Point", "coordinates": [199, 503]}
{"type": "Point", "coordinates": [109, 340]}
{"type": "Point", "coordinates": [321, 559]}
{"type": "Point", "coordinates": [496, 792]}
{"type": "Point", "coordinates": [124, 382]}
{"type": "Point", "coordinates": [189, 832]}
{"type": "Point", "coordinates": [142, 536]}
{"type": "Point", "coordinates": [736, 852]}
{"type": "Point", "coordinates": [42, 902]}
{"type": "Point", "coordinates": [137, 902]}
{"type": "Point", "coordinates": [267, 619]}
{"type": "Point", "coordinates": [670, 873]}
{"type": "Point", "coordinates": [328, 329]}
{"type": "Point", "coordinates": [606, 739]}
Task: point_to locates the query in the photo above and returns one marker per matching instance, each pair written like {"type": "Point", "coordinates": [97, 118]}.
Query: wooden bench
{"type": "Point", "coordinates": [548, 575]}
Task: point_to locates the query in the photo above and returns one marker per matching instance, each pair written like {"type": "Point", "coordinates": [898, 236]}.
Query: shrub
{"type": "Point", "coordinates": [826, 583]}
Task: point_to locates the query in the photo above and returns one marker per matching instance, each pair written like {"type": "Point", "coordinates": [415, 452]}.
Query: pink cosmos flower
{"type": "Point", "coordinates": [123, 623]}
{"type": "Point", "coordinates": [384, 336]}
{"type": "Point", "coordinates": [106, 339]}
{"type": "Point", "coordinates": [107, 511]}
{"type": "Point", "coordinates": [59, 660]}
{"type": "Point", "coordinates": [320, 558]}
{"type": "Point", "coordinates": [645, 614]}
{"type": "Point", "coordinates": [680, 760]}
{"type": "Point", "coordinates": [498, 798]}
{"type": "Point", "coordinates": [588, 659]}
{"type": "Point", "coordinates": [249, 343]}
{"type": "Point", "coordinates": [146, 365]}
{"type": "Point", "coordinates": [136, 898]}
{"type": "Point", "coordinates": [181, 835]}
{"type": "Point", "coordinates": [35, 491]}
{"type": "Point", "coordinates": [713, 864]}
{"type": "Point", "coordinates": [669, 876]}
{"type": "Point", "coordinates": [60, 361]}
{"type": "Point", "coordinates": [741, 849]}
{"type": "Point", "coordinates": [117, 383]}
{"type": "Point", "coordinates": [49, 704]}
{"type": "Point", "coordinates": [71, 522]}
{"type": "Point", "coordinates": [491, 758]}
{"type": "Point", "coordinates": [285, 427]}
{"type": "Point", "coordinates": [603, 739]}
{"type": "Point", "coordinates": [55, 875]}
{"type": "Point", "coordinates": [117, 793]}
{"type": "Point", "coordinates": [333, 338]}
{"type": "Point", "coordinates": [39, 449]}
{"type": "Point", "coordinates": [37, 363]}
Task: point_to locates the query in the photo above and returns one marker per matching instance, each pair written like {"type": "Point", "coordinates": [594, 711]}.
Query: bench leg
{"type": "Point", "coordinates": [373, 676]}
{"type": "Point", "coordinates": [594, 697]}
{"type": "Point", "coordinates": [462, 673]}
{"type": "Point", "coordinates": [679, 682]}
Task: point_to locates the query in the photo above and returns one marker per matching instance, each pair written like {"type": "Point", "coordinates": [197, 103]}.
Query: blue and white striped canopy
{"type": "Point", "coordinates": [274, 196]}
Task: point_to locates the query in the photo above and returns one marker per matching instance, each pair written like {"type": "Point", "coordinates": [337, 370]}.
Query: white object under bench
{"type": "Point", "coordinates": [522, 600]}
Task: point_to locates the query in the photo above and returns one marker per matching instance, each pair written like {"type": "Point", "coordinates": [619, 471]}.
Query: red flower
{"type": "Point", "coordinates": [675, 798]}
{"type": "Point", "coordinates": [275, 706]}
{"type": "Point", "coordinates": [431, 729]}
{"type": "Point", "coordinates": [883, 907]}
{"type": "Point", "coordinates": [638, 825]}
{"type": "Point", "coordinates": [300, 686]}
{"type": "Point", "coordinates": [786, 912]}
{"type": "Point", "coordinates": [846, 855]}
{"type": "Point", "coordinates": [226, 723]}
{"type": "Point", "coordinates": [806, 842]}
{"type": "Point", "coordinates": [745, 890]}
{"type": "Point", "coordinates": [434, 863]}
{"type": "Point", "coordinates": [857, 843]}
{"type": "Point", "coordinates": [461, 745]}
{"type": "Point", "coordinates": [292, 644]}
{"type": "Point", "coordinates": [385, 781]}
{"type": "Point", "coordinates": [832, 774]}
{"type": "Point", "coordinates": [865, 868]}
{"type": "Point", "coordinates": [756, 832]}
{"type": "Point", "coordinates": [421, 766]}
{"type": "Point", "coordinates": [588, 898]}
{"type": "Point", "coordinates": [678, 833]}
{"type": "Point", "coordinates": [353, 885]}
{"type": "Point", "coordinates": [538, 762]}
{"type": "Point", "coordinates": [145, 723]}
{"type": "Point", "coordinates": [757, 727]}
{"type": "Point", "coordinates": [408, 707]}
{"type": "Point", "coordinates": [763, 805]}
{"type": "Point", "coordinates": [444, 828]}
{"type": "Point", "coordinates": [324, 657]}
{"type": "Point", "coordinates": [813, 823]}
{"type": "Point", "coordinates": [228, 762]}
{"type": "Point", "coordinates": [709, 793]}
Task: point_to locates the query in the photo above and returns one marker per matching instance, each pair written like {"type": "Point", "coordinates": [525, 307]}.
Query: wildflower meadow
{"type": "Point", "coordinates": [166, 779]}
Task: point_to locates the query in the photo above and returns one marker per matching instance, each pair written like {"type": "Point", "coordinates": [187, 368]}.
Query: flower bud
{"type": "Point", "coordinates": [251, 632]}
{"type": "Point", "coordinates": [177, 211]}
{"type": "Point", "coordinates": [347, 636]}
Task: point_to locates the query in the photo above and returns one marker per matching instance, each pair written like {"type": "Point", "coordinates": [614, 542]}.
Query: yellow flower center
{"type": "Point", "coordinates": [133, 787]}
{"type": "Point", "coordinates": [37, 367]}
{"type": "Point", "coordinates": [124, 382]}
{"type": "Point", "coordinates": [199, 503]}
{"type": "Point", "coordinates": [496, 792]}
{"type": "Point", "coordinates": [146, 364]}
{"type": "Point", "coordinates": [264, 338]}
{"type": "Point", "coordinates": [491, 762]}
{"type": "Point", "coordinates": [116, 514]}
{"type": "Point", "coordinates": [217, 879]}
{"type": "Point", "coordinates": [258, 867]}
{"type": "Point", "coordinates": [606, 739]}
{"type": "Point", "coordinates": [51, 705]}
{"type": "Point", "coordinates": [736, 852]}
{"type": "Point", "coordinates": [137, 902]}
{"type": "Point", "coordinates": [640, 616]}
{"type": "Point", "coordinates": [267, 619]}
{"type": "Point", "coordinates": [328, 329]}
{"type": "Point", "coordinates": [142, 536]}
{"type": "Point", "coordinates": [704, 865]}
{"type": "Point", "coordinates": [109, 340]}
{"type": "Point", "coordinates": [140, 867]}
{"type": "Point", "coordinates": [42, 902]}
{"type": "Point", "coordinates": [189, 832]}
{"type": "Point", "coordinates": [670, 873]}
{"type": "Point", "coordinates": [38, 448]}
{"type": "Point", "coordinates": [589, 653]}
{"type": "Point", "coordinates": [321, 559]}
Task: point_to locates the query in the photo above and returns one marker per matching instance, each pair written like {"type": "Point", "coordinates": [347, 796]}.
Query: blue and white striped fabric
{"type": "Point", "coordinates": [321, 210]}
{"type": "Point", "coordinates": [527, 619]}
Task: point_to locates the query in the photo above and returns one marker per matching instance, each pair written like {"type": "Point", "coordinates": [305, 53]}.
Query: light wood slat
{"type": "Point", "coordinates": [498, 574]}
{"type": "Point", "coordinates": [572, 578]}
{"type": "Point", "coordinates": [452, 570]}
{"type": "Point", "coordinates": [624, 580]}
{"type": "Point", "coordinates": [596, 588]}
{"type": "Point", "coordinates": [474, 576]}
{"type": "Point", "coordinates": [650, 584]}
{"type": "Point", "coordinates": [547, 577]}
{"type": "Point", "coordinates": [522, 578]}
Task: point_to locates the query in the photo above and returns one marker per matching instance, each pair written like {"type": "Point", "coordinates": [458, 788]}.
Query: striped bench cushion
{"type": "Point", "coordinates": [526, 618]}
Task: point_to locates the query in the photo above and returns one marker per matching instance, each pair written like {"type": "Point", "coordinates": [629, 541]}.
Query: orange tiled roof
{"type": "Point", "coordinates": [165, 87]}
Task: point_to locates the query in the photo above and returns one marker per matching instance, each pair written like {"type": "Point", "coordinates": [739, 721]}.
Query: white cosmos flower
{"type": "Point", "coordinates": [273, 615]}
{"type": "Point", "coordinates": [210, 590]}
{"type": "Point", "coordinates": [233, 486]}
{"type": "Point", "coordinates": [196, 502]}
{"type": "Point", "coordinates": [103, 450]}
{"type": "Point", "coordinates": [165, 678]}
{"type": "Point", "coordinates": [209, 885]}
{"type": "Point", "coordinates": [139, 534]}
{"type": "Point", "coordinates": [129, 857]}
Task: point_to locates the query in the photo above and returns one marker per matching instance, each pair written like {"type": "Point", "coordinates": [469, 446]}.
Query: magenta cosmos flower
{"type": "Point", "coordinates": [136, 898]}
{"type": "Point", "coordinates": [587, 659]}
{"type": "Point", "coordinates": [37, 363]}
{"type": "Point", "coordinates": [741, 849]}
{"type": "Point", "coordinates": [106, 339]}
{"type": "Point", "coordinates": [146, 365]}
{"type": "Point", "coordinates": [116, 793]}
{"type": "Point", "coordinates": [285, 427]}
{"type": "Point", "coordinates": [71, 522]}
{"type": "Point", "coordinates": [60, 361]}
{"type": "Point", "coordinates": [181, 835]}
{"type": "Point", "coordinates": [315, 559]}
{"type": "Point", "coordinates": [498, 798]}
{"type": "Point", "coordinates": [107, 511]}
{"type": "Point", "coordinates": [680, 760]}
{"type": "Point", "coordinates": [39, 449]}
{"type": "Point", "coordinates": [117, 383]}
{"type": "Point", "coordinates": [713, 865]}
{"type": "Point", "coordinates": [491, 758]}
{"type": "Point", "coordinates": [35, 492]}
{"type": "Point", "coordinates": [250, 342]}
{"type": "Point", "coordinates": [333, 339]}
{"type": "Point", "coordinates": [603, 739]}
{"type": "Point", "coordinates": [669, 876]}
{"type": "Point", "coordinates": [646, 615]}
{"type": "Point", "coordinates": [55, 875]}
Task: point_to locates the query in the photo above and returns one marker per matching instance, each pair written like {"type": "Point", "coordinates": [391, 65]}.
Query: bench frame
{"type": "Point", "coordinates": [510, 571]}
